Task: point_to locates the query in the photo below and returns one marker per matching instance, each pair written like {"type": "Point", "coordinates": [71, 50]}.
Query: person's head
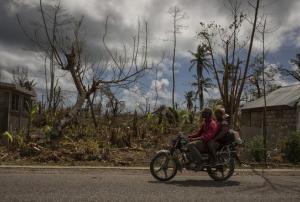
{"type": "Point", "coordinates": [220, 113]}
{"type": "Point", "coordinates": [206, 113]}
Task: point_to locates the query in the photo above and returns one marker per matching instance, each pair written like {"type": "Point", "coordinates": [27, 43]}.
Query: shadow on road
{"type": "Point", "coordinates": [199, 183]}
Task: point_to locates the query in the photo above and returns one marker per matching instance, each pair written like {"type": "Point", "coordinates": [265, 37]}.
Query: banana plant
{"type": "Point", "coordinates": [8, 137]}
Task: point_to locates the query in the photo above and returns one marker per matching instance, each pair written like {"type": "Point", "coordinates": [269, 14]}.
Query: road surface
{"type": "Point", "coordinates": [105, 185]}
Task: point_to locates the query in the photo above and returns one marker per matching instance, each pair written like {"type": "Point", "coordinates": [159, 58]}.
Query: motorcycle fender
{"type": "Point", "coordinates": [163, 151]}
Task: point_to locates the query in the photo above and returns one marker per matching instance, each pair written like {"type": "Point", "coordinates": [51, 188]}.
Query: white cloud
{"type": "Point", "coordinates": [160, 85]}
{"type": "Point", "coordinates": [275, 77]}
{"type": "Point", "coordinates": [124, 15]}
{"type": "Point", "coordinates": [136, 98]}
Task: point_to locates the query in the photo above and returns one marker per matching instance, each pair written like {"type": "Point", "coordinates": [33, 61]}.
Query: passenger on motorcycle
{"type": "Point", "coordinates": [200, 139]}
{"type": "Point", "coordinates": [223, 130]}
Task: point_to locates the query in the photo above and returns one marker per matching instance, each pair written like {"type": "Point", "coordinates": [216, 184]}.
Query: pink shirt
{"type": "Point", "coordinates": [207, 131]}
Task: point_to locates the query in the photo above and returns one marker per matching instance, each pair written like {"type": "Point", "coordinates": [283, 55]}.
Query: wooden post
{"type": "Point", "coordinates": [265, 100]}
{"type": "Point", "coordinates": [20, 98]}
{"type": "Point", "coordinates": [298, 118]}
{"type": "Point", "coordinates": [8, 111]}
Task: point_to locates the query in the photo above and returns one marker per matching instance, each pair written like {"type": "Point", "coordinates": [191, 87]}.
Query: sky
{"type": "Point", "coordinates": [282, 42]}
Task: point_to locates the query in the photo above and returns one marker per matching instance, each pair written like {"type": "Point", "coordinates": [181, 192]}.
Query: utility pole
{"type": "Point", "coordinates": [264, 89]}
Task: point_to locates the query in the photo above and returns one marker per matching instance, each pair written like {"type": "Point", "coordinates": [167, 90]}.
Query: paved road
{"type": "Point", "coordinates": [98, 185]}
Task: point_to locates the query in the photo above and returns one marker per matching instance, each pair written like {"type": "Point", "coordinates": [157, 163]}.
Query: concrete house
{"type": "Point", "coordinates": [282, 117]}
{"type": "Point", "coordinates": [14, 107]}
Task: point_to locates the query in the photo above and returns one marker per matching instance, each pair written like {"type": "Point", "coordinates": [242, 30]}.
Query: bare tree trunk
{"type": "Point", "coordinates": [156, 90]}
{"type": "Point", "coordinates": [71, 115]}
{"type": "Point", "coordinates": [82, 96]}
{"type": "Point", "coordinates": [100, 104]}
{"type": "Point", "coordinates": [91, 103]}
{"type": "Point", "coordinates": [46, 78]}
{"type": "Point", "coordinates": [231, 92]}
{"type": "Point", "coordinates": [52, 65]}
{"type": "Point", "coordinates": [237, 102]}
{"type": "Point", "coordinates": [257, 88]}
{"type": "Point", "coordinates": [232, 97]}
{"type": "Point", "coordinates": [226, 78]}
{"type": "Point", "coordinates": [177, 15]}
{"type": "Point", "coordinates": [29, 122]}
{"type": "Point", "coordinates": [173, 60]}
{"type": "Point", "coordinates": [52, 76]}
{"type": "Point", "coordinates": [68, 58]}
{"type": "Point", "coordinates": [200, 86]}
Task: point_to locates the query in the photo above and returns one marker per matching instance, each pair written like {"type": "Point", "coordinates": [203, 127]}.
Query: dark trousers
{"type": "Point", "coordinates": [212, 148]}
{"type": "Point", "coordinates": [195, 149]}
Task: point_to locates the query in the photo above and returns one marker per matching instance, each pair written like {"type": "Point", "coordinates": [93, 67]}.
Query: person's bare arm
{"type": "Point", "coordinates": [196, 135]}
{"type": "Point", "coordinates": [196, 138]}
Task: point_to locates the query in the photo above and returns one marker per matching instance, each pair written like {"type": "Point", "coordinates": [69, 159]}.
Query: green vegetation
{"type": "Point", "coordinates": [292, 148]}
{"type": "Point", "coordinates": [96, 128]}
{"type": "Point", "coordinates": [8, 138]}
{"type": "Point", "coordinates": [124, 139]}
{"type": "Point", "coordinates": [255, 148]}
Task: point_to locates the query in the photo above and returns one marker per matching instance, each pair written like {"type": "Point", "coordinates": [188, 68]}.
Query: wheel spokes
{"type": "Point", "coordinates": [163, 164]}
{"type": "Point", "coordinates": [157, 171]}
{"type": "Point", "coordinates": [222, 172]}
{"type": "Point", "coordinates": [166, 174]}
{"type": "Point", "coordinates": [162, 167]}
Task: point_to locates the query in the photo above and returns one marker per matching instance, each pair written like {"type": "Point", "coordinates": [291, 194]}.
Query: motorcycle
{"type": "Point", "coordinates": [165, 164]}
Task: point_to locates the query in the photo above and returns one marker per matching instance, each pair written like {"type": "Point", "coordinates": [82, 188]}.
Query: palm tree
{"type": "Point", "coordinates": [202, 62]}
{"type": "Point", "coordinates": [189, 100]}
{"type": "Point", "coordinates": [206, 84]}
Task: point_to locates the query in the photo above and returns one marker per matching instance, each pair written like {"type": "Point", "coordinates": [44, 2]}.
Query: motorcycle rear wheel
{"type": "Point", "coordinates": [163, 162]}
{"type": "Point", "coordinates": [217, 173]}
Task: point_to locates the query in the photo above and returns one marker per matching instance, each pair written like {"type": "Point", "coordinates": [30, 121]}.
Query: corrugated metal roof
{"type": "Point", "coordinates": [284, 96]}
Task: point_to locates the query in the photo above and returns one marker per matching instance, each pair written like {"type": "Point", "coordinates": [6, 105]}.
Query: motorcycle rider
{"type": "Point", "coordinates": [200, 139]}
{"type": "Point", "coordinates": [223, 130]}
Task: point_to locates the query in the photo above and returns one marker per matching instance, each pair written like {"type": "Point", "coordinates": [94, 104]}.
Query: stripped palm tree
{"type": "Point", "coordinates": [202, 62]}
{"type": "Point", "coordinates": [189, 100]}
{"type": "Point", "coordinates": [206, 85]}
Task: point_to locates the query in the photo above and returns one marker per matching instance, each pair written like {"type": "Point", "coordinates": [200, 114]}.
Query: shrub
{"type": "Point", "coordinates": [292, 148]}
{"type": "Point", "coordinates": [186, 117]}
{"type": "Point", "coordinates": [48, 132]}
{"type": "Point", "coordinates": [256, 148]}
{"type": "Point", "coordinates": [19, 141]}
{"type": "Point", "coordinates": [120, 138]}
{"type": "Point", "coordinates": [8, 137]}
{"type": "Point", "coordinates": [92, 147]}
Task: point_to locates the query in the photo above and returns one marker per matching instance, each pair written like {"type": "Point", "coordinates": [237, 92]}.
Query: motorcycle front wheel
{"type": "Point", "coordinates": [163, 167]}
